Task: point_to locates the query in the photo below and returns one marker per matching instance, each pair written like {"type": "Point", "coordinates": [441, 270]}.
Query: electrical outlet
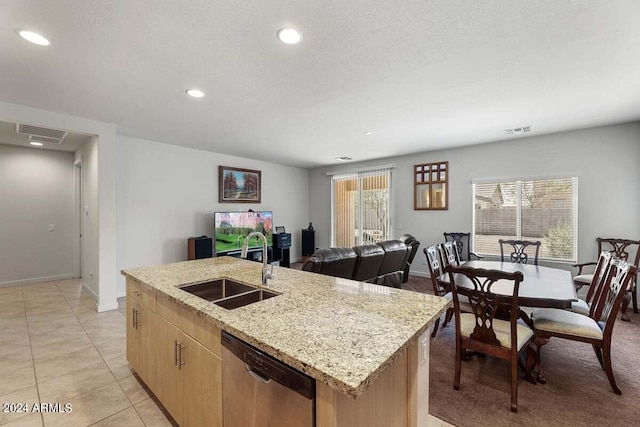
{"type": "Point", "coordinates": [424, 350]}
{"type": "Point", "coordinates": [52, 227]}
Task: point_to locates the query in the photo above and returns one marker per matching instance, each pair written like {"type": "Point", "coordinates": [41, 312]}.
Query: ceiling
{"type": "Point", "coordinates": [71, 142]}
{"type": "Point", "coordinates": [419, 74]}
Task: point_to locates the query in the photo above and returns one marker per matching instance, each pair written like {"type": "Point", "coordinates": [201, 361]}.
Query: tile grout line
{"type": "Point", "coordinates": [105, 362]}
{"type": "Point", "coordinates": [33, 359]}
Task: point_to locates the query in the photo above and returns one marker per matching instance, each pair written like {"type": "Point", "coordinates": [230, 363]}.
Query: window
{"type": "Point", "coordinates": [543, 209]}
{"type": "Point", "coordinates": [361, 207]}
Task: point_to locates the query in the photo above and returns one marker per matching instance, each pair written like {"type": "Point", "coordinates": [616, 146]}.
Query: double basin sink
{"type": "Point", "coordinates": [228, 293]}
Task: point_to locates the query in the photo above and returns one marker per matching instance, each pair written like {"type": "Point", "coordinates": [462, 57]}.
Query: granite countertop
{"type": "Point", "coordinates": [341, 332]}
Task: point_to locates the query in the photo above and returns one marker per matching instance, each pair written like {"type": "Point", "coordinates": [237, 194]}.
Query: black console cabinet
{"type": "Point", "coordinates": [281, 248]}
{"type": "Point", "coordinates": [308, 242]}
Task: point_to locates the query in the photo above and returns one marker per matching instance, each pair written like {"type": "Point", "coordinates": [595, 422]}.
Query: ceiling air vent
{"type": "Point", "coordinates": [518, 131]}
{"type": "Point", "coordinates": [40, 134]}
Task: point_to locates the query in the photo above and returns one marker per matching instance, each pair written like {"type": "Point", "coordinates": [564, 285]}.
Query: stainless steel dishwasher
{"type": "Point", "coordinates": [260, 391]}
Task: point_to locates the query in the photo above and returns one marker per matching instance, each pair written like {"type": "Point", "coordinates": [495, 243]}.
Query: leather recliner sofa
{"type": "Point", "coordinates": [384, 263]}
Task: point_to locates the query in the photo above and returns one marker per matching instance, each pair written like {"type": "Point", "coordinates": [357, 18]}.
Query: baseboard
{"type": "Point", "coordinates": [36, 280]}
{"type": "Point", "coordinates": [107, 307]}
{"type": "Point", "coordinates": [418, 273]}
{"type": "Point", "coordinates": [90, 291]}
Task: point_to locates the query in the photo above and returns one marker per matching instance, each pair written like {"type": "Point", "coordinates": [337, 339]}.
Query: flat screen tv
{"type": "Point", "coordinates": [231, 228]}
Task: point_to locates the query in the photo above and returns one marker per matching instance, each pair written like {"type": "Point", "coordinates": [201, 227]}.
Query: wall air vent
{"type": "Point", "coordinates": [33, 138]}
{"type": "Point", "coordinates": [40, 134]}
{"type": "Point", "coordinates": [518, 131]}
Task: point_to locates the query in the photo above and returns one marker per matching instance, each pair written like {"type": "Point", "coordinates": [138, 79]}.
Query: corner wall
{"type": "Point", "coordinates": [606, 160]}
{"type": "Point", "coordinates": [36, 190]}
{"type": "Point", "coordinates": [105, 252]}
{"type": "Point", "coordinates": [168, 193]}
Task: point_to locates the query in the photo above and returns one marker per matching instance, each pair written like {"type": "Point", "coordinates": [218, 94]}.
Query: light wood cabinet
{"type": "Point", "coordinates": [177, 354]}
{"type": "Point", "coordinates": [189, 377]}
{"type": "Point", "coordinates": [201, 385]}
{"type": "Point", "coordinates": [140, 324]}
{"type": "Point", "coordinates": [167, 341]}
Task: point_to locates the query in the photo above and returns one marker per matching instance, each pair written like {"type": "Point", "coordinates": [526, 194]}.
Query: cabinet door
{"type": "Point", "coordinates": [202, 385]}
{"type": "Point", "coordinates": [168, 379]}
{"type": "Point", "coordinates": [145, 323]}
{"type": "Point", "coordinates": [132, 334]}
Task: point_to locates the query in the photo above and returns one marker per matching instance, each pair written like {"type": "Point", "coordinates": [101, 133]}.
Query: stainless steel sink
{"type": "Point", "coordinates": [228, 293]}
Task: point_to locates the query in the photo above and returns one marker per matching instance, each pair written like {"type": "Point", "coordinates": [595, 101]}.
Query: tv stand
{"type": "Point", "coordinates": [254, 254]}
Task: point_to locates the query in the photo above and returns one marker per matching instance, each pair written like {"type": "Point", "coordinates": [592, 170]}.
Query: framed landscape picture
{"type": "Point", "coordinates": [238, 185]}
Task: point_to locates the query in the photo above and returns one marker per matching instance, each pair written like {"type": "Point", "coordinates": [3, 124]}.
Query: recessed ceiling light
{"type": "Point", "coordinates": [289, 36]}
{"type": "Point", "coordinates": [196, 93]}
{"type": "Point", "coordinates": [37, 144]}
{"type": "Point", "coordinates": [367, 133]}
{"type": "Point", "coordinates": [32, 37]}
{"type": "Point", "coordinates": [344, 158]}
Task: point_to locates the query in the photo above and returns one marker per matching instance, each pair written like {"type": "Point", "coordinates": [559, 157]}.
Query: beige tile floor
{"type": "Point", "coordinates": [56, 348]}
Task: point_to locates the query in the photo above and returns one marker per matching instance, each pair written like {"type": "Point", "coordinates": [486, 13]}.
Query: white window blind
{"type": "Point", "coordinates": [540, 209]}
{"type": "Point", "coordinates": [361, 207]}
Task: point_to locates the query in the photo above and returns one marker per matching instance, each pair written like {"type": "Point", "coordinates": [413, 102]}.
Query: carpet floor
{"type": "Point", "coordinates": [577, 392]}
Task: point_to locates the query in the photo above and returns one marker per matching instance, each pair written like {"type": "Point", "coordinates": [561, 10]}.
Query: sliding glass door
{"type": "Point", "coordinates": [361, 207]}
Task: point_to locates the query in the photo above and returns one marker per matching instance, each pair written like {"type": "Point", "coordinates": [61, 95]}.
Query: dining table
{"type": "Point", "coordinates": [542, 287]}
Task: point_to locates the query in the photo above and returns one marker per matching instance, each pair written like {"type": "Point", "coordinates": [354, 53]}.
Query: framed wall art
{"type": "Point", "coordinates": [238, 185]}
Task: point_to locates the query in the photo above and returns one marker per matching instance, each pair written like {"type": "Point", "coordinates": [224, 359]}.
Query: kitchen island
{"type": "Point", "coordinates": [365, 345]}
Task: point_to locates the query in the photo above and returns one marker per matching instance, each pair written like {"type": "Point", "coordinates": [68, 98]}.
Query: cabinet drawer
{"type": "Point", "coordinates": [144, 296]}
{"type": "Point", "coordinates": [198, 328]}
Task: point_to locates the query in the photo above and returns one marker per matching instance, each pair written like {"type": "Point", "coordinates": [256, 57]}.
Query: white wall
{"type": "Point", "coordinates": [36, 189]}
{"type": "Point", "coordinates": [168, 193]}
{"type": "Point", "coordinates": [606, 160]}
{"type": "Point", "coordinates": [87, 154]}
{"type": "Point", "coordinates": [105, 253]}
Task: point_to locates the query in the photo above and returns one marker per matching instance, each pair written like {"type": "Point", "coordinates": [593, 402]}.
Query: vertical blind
{"type": "Point", "coordinates": [541, 209]}
{"type": "Point", "coordinates": [361, 207]}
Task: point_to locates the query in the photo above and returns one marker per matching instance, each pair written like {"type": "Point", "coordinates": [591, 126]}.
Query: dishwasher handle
{"type": "Point", "coordinates": [256, 375]}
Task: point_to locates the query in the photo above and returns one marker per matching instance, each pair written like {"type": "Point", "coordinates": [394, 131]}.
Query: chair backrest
{"type": "Point", "coordinates": [519, 247]}
{"type": "Point", "coordinates": [599, 275]}
{"type": "Point", "coordinates": [449, 253]}
{"type": "Point", "coordinates": [337, 262]}
{"type": "Point", "coordinates": [618, 277]}
{"type": "Point", "coordinates": [435, 268]}
{"type": "Point", "coordinates": [463, 242]}
{"type": "Point", "coordinates": [368, 262]}
{"type": "Point", "coordinates": [413, 245]}
{"type": "Point", "coordinates": [483, 301]}
{"type": "Point", "coordinates": [621, 248]}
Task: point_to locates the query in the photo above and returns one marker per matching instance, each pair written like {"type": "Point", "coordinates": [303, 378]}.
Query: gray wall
{"type": "Point", "coordinates": [36, 189]}
{"type": "Point", "coordinates": [606, 160]}
{"type": "Point", "coordinates": [168, 193]}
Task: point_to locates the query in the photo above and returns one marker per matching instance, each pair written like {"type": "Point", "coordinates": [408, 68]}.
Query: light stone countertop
{"type": "Point", "coordinates": [341, 332]}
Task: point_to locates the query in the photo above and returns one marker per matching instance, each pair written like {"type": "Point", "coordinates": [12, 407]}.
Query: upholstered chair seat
{"type": "Point", "coordinates": [501, 328]}
{"type": "Point", "coordinates": [583, 278]}
{"type": "Point", "coordinates": [580, 307]}
{"type": "Point", "coordinates": [566, 322]}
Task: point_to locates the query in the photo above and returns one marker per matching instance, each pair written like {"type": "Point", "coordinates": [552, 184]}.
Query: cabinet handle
{"type": "Point", "coordinates": [175, 352]}
{"type": "Point", "coordinates": [137, 318]}
{"type": "Point", "coordinates": [181, 363]}
{"type": "Point", "coordinates": [133, 317]}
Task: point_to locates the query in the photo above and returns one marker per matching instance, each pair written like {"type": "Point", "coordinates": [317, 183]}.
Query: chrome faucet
{"type": "Point", "coordinates": [267, 269]}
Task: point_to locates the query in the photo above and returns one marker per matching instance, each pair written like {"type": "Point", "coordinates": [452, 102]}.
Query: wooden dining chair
{"type": "Point", "coordinates": [596, 328]}
{"type": "Point", "coordinates": [583, 306]}
{"type": "Point", "coordinates": [623, 249]}
{"type": "Point", "coordinates": [463, 242]}
{"type": "Point", "coordinates": [434, 262]}
{"type": "Point", "coordinates": [519, 250]}
{"type": "Point", "coordinates": [435, 270]}
{"type": "Point", "coordinates": [449, 254]}
{"type": "Point", "coordinates": [481, 330]}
